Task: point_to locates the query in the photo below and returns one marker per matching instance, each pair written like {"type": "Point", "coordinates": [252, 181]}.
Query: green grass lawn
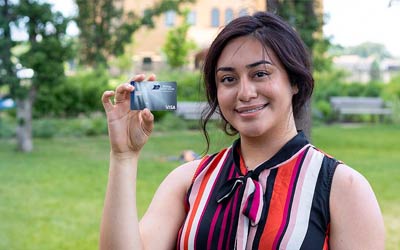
{"type": "Point", "coordinates": [52, 198]}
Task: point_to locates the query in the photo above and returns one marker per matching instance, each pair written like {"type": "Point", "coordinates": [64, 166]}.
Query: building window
{"type": "Point", "coordinates": [243, 12]}
{"type": "Point", "coordinates": [191, 18]}
{"type": "Point", "coordinates": [228, 15]}
{"type": "Point", "coordinates": [170, 18]}
{"type": "Point", "coordinates": [215, 17]}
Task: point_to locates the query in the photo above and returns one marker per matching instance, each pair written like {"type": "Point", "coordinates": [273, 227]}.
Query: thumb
{"type": "Point", "coordinates": [147, 118]}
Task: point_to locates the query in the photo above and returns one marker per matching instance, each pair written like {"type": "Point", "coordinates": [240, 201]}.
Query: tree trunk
{"type": "Point", "coordinates": [24, 120]}
{"type": "Point", "coordinates": [273, 6]}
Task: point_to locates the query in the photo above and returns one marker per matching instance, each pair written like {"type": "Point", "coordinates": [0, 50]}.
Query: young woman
{"type": "Point", "coordinates": [271, 189]}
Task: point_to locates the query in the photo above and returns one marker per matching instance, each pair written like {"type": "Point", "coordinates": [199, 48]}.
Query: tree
{"type": "Point", "coordinates": [367, 49]}
{"type": "Point", "coordinates": [303, 16]}
{"type": "Point", "coordinates": [375, 71]}
{"type": "Point", "coordinates": [8, 74]}
{"type": "Point", "coordinates": [45, 52]}
{"type": "Point", "coordinates": [106, 29]}
{"type": "Point", "coordinates": [177, 46]}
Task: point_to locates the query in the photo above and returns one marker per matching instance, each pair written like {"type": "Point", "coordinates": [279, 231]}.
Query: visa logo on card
{"type": "Point", "coordinates": [154, 95]}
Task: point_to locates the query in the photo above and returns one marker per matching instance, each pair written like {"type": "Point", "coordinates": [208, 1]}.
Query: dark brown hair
{"type": "Point", "coordinates": [273, 33]}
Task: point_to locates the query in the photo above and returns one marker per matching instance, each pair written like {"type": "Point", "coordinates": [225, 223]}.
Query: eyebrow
{"type": "Point", "coordinates": [252, 65]}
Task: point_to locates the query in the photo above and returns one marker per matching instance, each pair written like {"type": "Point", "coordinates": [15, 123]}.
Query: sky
{"type": "Point", "coordinates": [353, 22]}
{"type": "Point", "coordinates": [349, 22]}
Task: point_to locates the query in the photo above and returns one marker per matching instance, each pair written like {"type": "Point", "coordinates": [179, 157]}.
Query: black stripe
{"type": "Point", "coordinates": [267, 201]}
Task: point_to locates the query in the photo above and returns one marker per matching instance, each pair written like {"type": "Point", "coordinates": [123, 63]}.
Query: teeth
{"type": "Point", "coordinates": [252, 110]}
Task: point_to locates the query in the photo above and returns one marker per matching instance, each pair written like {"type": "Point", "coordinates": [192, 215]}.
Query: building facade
{"type": "Point", "coordinates": [206, 18]}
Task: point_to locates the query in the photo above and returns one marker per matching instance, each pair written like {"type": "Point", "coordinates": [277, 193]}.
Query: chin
{"type": "Point", "coordinates": [251, 132]}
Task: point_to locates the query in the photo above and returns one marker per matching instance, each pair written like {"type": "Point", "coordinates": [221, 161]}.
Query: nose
{"type": "Point", "coordinates": [247, 90]}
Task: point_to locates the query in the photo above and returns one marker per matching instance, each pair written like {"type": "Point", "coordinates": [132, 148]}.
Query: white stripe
{"type": "Point", "coordinates": [243, 224]}
{"type": "Point", "coordinates": [203, 201]}
{"type": "Point", "coordinates": [306, 198]}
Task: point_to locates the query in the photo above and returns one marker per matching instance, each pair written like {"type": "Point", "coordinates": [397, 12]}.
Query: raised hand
{"type": "Point", "coordinates": [128, 129]}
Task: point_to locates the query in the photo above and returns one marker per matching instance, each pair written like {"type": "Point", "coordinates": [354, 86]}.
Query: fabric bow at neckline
{"type": "Point", "coordinates": [252, 201]}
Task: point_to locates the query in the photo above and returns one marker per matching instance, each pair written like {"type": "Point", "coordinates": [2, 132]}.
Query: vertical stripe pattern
{"type": "Point", "coordinates": [276, 206]}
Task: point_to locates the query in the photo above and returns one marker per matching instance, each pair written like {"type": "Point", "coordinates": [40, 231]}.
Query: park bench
{"type": "Point", "coordinates": [192, 110]}
{"type": "Point", "coordinates": [346, 105]}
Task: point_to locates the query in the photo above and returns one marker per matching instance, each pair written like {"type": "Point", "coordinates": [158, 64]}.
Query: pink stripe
{"type": "Point", "coordinates": [216, 215]}
{"type": "Point", "coordinates": [233, 218]}
{"type": "Point", "coordinates": [225, 218]}
{"type": "Point", "coordinates": [255, 207]}
{"type": "Point", "coordinates": [187, 232]}
{"type": "Point", "coordinates": [296, 200]}
{"type": "Point", "coordinates": [290, 194]}
{"type": "Point", "coordinates": [210, 192]}
{"type": "Point", "coordinates": [262, 178]}
{"type": "Point", "coordinates": [212, 228]}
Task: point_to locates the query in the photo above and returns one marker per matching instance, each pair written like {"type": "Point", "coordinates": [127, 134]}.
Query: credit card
{"type": "Point", "coordinates": [154, 95]}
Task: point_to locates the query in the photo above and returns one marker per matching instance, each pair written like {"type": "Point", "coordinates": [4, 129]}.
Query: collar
{"type": "Point", "coordinates": [285, 153]}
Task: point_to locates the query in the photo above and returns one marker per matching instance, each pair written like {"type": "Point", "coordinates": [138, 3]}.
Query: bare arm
{"type": "Point", "coordinates": [356, 219]}
{"type": "Point", "coordinates": [119, 225]}
{"type": "Point", "coordinates": [128, 132]}
{"type": "Point", "coordinates": [160, 224]}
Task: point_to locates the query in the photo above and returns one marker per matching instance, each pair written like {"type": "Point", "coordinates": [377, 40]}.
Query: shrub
{"type": "Point", "coordinates": [44, 128]}
{"type": "Point", "coordinates": [78, 94]}
{"type": "Point", "coordinates": [190, 87]}
{"type": "Point", "coordinates": [7, 125]}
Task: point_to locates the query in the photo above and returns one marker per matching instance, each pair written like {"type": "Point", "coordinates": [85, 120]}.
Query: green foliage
{"type": "Point", "coordinates": [7, 125]}
{"type": "Point", "coordinates": [177, 46]}
{"type": "Point", "coordinates": [106, 29]}
{"type": "Point", "coordinates": [78, 94]}
{"type": "Point", "coordinates": [392, 89]}
{"type": "Point", "coordinates": [190, 87]}
{"type": "Point", "coordinates": [391, 93]}
{"type": "Point", "coordinates": [367, 49]}
{"type": "Point", "coordinates": [331, 83]}
{"type": "Point", "coordinates": [47, 48]}
{"type": "Point", "coordinates": [7, 68]}
{"type": "Point", "coordinates": [375, 71]}
{"type": "Point", "coordinates": [301, 15]}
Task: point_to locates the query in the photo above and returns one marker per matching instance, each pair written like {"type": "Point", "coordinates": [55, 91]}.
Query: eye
{"type": "Point", "coordinates": [259, 74]}
{"type": "Point", "coordinates": [227, 79]}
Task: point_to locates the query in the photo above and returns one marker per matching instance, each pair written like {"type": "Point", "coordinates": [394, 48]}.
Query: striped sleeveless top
{"type": "Point", "coordinates": [282, 204]}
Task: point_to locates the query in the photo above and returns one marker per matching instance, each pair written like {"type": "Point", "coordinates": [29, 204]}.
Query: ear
{"type": "Point", "coordinates": [295, 89]}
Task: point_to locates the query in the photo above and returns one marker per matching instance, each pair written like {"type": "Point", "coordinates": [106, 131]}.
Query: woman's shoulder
{"type": "Point", "coordinates": [184, 173]}
{"type": "Point", "coordinates": [355, 212]}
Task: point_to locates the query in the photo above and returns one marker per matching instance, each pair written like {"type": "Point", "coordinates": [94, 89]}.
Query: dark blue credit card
{"type": "Point", "coordinates": [154, 95]}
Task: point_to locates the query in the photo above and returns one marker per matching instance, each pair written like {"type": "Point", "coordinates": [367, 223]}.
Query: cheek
{"type": "Point", "coordinates": [223, 95]}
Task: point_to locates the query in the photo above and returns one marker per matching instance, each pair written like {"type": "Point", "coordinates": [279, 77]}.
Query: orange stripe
{"type": "Point", "coordinates": [199, 196]}
{"type": "Point", "coordinates": [326, 242]}
{"type": "Point", "coordinates": [277, 204]}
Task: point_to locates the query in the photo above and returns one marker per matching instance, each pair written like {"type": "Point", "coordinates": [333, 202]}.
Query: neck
{"type": "Point", "coordinates": [256, 150]}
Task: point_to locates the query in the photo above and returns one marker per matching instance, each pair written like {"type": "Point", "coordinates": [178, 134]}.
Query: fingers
{"type": "Point", "coordinates": [147, 118]}
{"type": "Point", "coordinates": [152, 77]}
{"type": "Point", "coordinates": [141, 77]}
{"type": "Point", "coordinates": [138, 78]}
{"type": "Point", "coordinates": [122, 92]}
{"type": "Point", "coordinates": [107, 104]}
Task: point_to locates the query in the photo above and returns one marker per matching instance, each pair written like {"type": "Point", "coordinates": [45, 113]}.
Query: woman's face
{"type": "Point", "coordinates": [253, 89]}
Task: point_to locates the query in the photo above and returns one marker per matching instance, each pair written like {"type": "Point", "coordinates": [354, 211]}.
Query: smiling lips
{"type": "Point", "coordinates": [250, 109]}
